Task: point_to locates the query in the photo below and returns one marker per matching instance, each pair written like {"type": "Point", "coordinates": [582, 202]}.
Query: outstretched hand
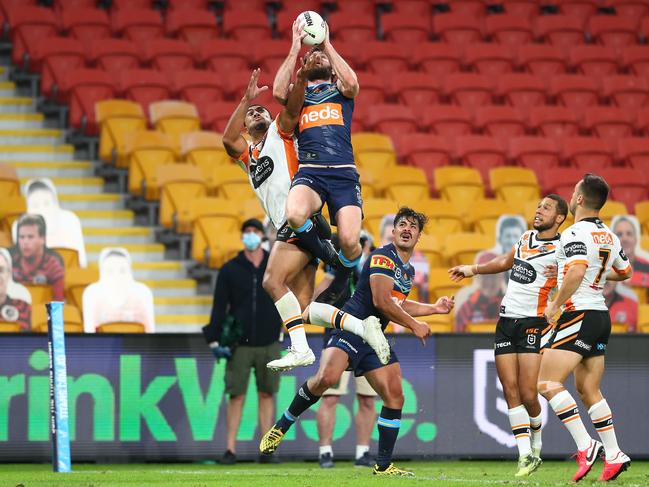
{"type": "Point", "coordinates": [253, 91]}
{"type": "Point", "coordinates": [306, 67]}
{"type": "Point", "coordinates": [298, 34]}
{"type": "Point", "coordinates": [457, 273]}
{"type": "Point", "coordinates": [444, 305]}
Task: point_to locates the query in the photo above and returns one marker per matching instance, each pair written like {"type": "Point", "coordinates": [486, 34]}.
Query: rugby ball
{"type": "Point", "coordinates": [314, 26]}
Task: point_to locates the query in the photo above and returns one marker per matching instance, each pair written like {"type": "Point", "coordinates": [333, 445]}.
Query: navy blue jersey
{"type": "Point", "coordinates": [387, 262]}
{"type": "Point", "coordinates": [324, 132]}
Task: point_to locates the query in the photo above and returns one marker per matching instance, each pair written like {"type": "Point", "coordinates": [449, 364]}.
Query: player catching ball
{"type": "Point", "coordinates": [522, 329]}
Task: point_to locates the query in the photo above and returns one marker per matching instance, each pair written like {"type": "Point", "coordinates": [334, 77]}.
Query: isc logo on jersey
{"type": "Point", "coordinates": [319, 115]}
{"type": "Point", "coordinates": [382, 262]}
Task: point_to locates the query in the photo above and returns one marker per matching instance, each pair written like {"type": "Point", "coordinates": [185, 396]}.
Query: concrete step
{"type": "Point", "coordinates": [181, 323]}
{"type": "Point", "coordinates": [92, 201]}
{"type": "Point", "coordinates": [75, 185]}
{"type": "Point", "coordinates": [118, 236]}
{"type": "Point", "coordinates": [16, 104]}
{"type": "Point", "coordinates": [105, 218]}
{"type": "Point", "coordinates": [149, 252]}
{"type": "Point", "coordinates": [36, 152]}
{"type": "Point", "coordinates": [7, 88]}
{"type": "Point", "coordinates": [21, 120]}
{"type": "Point", "coordinates": [172, 287]}
{"type": "Point", "coordinates": [31, 136]}
{"type": "Point", "coordinates": [167, 269]}
{"type": "Point", "coordinates": [192, 305]}
{"type": "Point", "coordinates": [68, 169]}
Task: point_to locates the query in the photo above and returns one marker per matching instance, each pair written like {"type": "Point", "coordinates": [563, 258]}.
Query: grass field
{"type": "Point", "coordinates": [457, 473]}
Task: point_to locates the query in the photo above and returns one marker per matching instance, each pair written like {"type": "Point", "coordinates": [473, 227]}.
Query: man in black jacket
{"type": "Point", "coordinates": [239, 294]}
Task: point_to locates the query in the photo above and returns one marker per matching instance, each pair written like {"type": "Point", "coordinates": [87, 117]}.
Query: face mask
{"type": "Point", "coordinates": [251, 241]}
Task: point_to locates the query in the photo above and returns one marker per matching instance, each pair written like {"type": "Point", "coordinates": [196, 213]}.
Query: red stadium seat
{"type": "Point", "coordinates": [438, 59]}
{"type": "Point", "coordinates": [522, 91]}
{"type": "Point", "coordinates": [353, 53]}
{"type": "Point", "coordinates": [114, 55]}
{"type": "Point", "coordinates": [635, 9]}
{"type": "Point", "coordinates": [446, 120]}
{"type": "Point", "coordinates": [521, 8]}
{"type": "Point", "coordinates": [86, 24]}
{"type": "Point", "coordinates": [246, 27]}
{"type": "Point", "coordinates": [596, 61]}
{"type": "Point", "coordinates": [28, 26]}
{"type": "Point", "coordinates": [634, 152]}
{"type": "Point", "coordinates": [192, 4]}
{"type": "Point", "coordinates": [536, 153]}
{"type": "Point", "coordinates": [269, 55]}
{"type": "Point", "coordinates": [542, 60]}
{"type": "Point", "coordinates": [226, 56]}
{"type": "Point", "coordinates": [373, 89]}
{"type": "Point", "coordinates": [138, 25]}
{"type": "Point", "coordinates": [356, 6]}
{"type": "Point", "coordinates": [608, 122]}
{"type": "Point", "coordinates": [62, 5]}
{"type": "Point", "coordinates": [199, 87]}
{"type": "Point", "coordinates": [359, 117]}
{"type": "Point", "coordinates": [351, 27]}
{"type": "Point", "coordinates": [129, 4]}
{"type": "Point", "coordinates": [500, 121]}
{"type": "Point", "coordinates": [480, 152]}
{"type": "Point", "coordinates": [636, 60]}
{"type": "Point", "coordinates": [489, 59]}
{"type": "Point", "coordinates": [579, 9]}
{"type": "Point", "coordinates": [249, 5]}
{"type": "Point", "coordinates": [577, 92]}
{"type": "Point", "coordinates": [57, 56]}
{"type": "Point", "coordinates": [195, 26]}
{"type": "Point", "coordinates": [587, 153]}
{"type": "Point", "coordinates": [419, 8]}
{"type": "Point", "coordinates": [554, 121]}
{"type": "Point", "coordinates": [562, 31]}
{"type": "Point", "coordinates": [215, 115]}
{"type": "Point", "coordinates": [168, 55]}
{"type": "Point", "coordinates": [391, 119]}
{"type": "Point", "coordinates": [469, 90]}
{"type": "Point", "coordinates": [416, 89]}
{"type": "Point", "coordinates": [468, 8]}
{"type": "Point", "coordinates": [424, 151]}
{"type": "Point", "coordinates": [85, 87]}
{"type": "Point", "coordinates": [613, 31]}
{"type": "Point", "coordinates": [561, 180]}
{"type": "Point", "coordinates": [144, 86]}
{"type": "Point", "coordinates": [284, 22]}
{"type": "Point", "coordinates": [628, 185]}
{"type": "Point", "coordinates": [406, 29]}
{"type": "Point", "coordinates": [628, 92]}
{"type": "Point", "coordinates": [512, 30]}
{"type": "Point", "coordinates": [385, 58]}
{"type": "Point", "coordinates": [644, 28]}
{"type": "Point", "coordinates": [457, 28]}
{"type": "Point", "coordinates": [238, 82]}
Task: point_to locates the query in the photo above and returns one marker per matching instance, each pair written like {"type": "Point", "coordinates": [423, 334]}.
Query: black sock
{"type": "Point", "coordinates": [319, 248]}
{"type": "Point", "coordinates": [338, 286]}
{"type": "Point", "coordinates": [302, 401]}
{"type": "Point", "coordinates": [389, 423]}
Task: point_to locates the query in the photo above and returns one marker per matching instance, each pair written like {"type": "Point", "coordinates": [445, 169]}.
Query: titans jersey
{"type": "Point", "coordinates": [385, 261]}
{"type": "Point", "coordinates": [528, 289]}
{"type": "Point", "coordinates": [324, 132]}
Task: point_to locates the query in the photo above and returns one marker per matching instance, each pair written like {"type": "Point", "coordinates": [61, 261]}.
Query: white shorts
{"type": "Point", "coordinates": [360, 383]}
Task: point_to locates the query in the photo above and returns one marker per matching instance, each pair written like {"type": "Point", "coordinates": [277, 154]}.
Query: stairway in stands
{"type": "Point", "coordinates": [36, 150]}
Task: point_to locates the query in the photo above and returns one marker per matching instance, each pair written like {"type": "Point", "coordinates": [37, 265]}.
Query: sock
{"type": "Point", "coordinates": [326, 449]}
{"type": "Point", "coordinates": [338, 285]}
{"type": "Point", "coordinates": [361, 450]}
{"type": "Point", "coordinates": [565, 407]}
{"type": "Point", "coordinates": [602, 419]}
{"type": "Point", "coordinates": [520, 423]}
{"type": "Point", "coordinates": [349, 264]}
{"type": "Point", "coordinates": [289, 309]}
{"type": "Point", "coordinates": [389, 423]}
{"type": "Point", "coordinates": [535, 429]}
{"type": "Point", "coordinates": [331, 317]}
{"type": "Point", "coordinates": [308, 236]}
{"type": "Point", "coordinates": [302, 401]}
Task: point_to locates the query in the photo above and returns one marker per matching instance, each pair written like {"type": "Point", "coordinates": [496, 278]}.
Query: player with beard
{"type": "Point", "coordinates": [270, 161]}
{"type": "Point", "coordinates": [522, 330]}
{"type": "Point", "coordinates": [382, 291]}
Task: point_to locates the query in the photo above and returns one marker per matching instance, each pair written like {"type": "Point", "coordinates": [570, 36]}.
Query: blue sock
{"type": "Point", "coordinates": [349, 263]}
{"type": "Point", "coordinates": [388, 423]}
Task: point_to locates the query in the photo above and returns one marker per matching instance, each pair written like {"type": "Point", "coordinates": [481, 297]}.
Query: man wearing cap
{"type": "Point", "coordinates": [241, 302]}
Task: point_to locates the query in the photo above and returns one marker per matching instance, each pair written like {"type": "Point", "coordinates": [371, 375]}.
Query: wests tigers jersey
{"type": "Point", "coordinates": [528, 289]}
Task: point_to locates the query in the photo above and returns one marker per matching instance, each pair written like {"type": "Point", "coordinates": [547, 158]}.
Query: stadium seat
{"type": "Point", "coordinates": [443, 216]}
{"type": "Point", "coordinates": [145, 152]}
{"type": "Point", "coordinates": [462, 186]}
{"type": "Point", "coordinates": [268, 56]}
{"type": "Point", "coordinates": [232, 183]}
{"type": "Point", "coordinates": [11, 208]}
{"type": "Point", "coordinates": [405, 29]}
{"type": "Point", "coordinates": [457, 28]}
{"type": "Point", "coordinates": [628, 185]}
{"type": "Point", "coordinates": [642, 121]}
{"type": "Point", "coordinates": [481, 327]}
{"type": "Point", "coordinates": [579, 9]}
{"type": "Point", "coordinates": [514, 185]}
{"type": "Point", "coordinates": [424, 151]}
{"type": "Point", "coordinates": [370, 183]}
{"type": "Point", "coordinates": [247, 5]}
{"type": "Point", "coordinates": [439, 323]}
{"type": "Point", "coordinates": [61, 6]}
{"type": "Point", "coordinates": [431, 247]}
{"type": "Point", "coordinates": [199, 87]}
{"type": "Point", "coordinates": [643, 318]}
{"type": "Point", "coordinates": [180, 184]}
{"type": "Point", "coordinates": [500, 121]}
{"type": "Point", "coordinates": [561, 180]}
{"type": "Point", "coordinates": [415, 89]}
{"type": "Point", "coordinates": [351, 27]}
{"type": "Point", "coordinates": [562, 31]}
{"type": "Point", "coordinates": [221, 55]}
{"type": "Point", "coordinates": [212, 219]}
{"type": "Point", "coordinates": [114, 55]}
{"type": "Point", "coordinates": [144, 86]}
{"type": "Point", "coordinates": [635, 9]}
{"type": "Point", "coordinates": [374, 88]}
{"type": "Point", "coordinates": [554, 121]}
{"type": "Point", "coordinates": [608, 122]}
{"type": "Point", "coordinates": [469, 90]}
{"type": "Point", "coordinates": [615, 31]}
{"type": "Point", "coordinates": [587, 153]}
{"type": "Point", "coordinates": [72, 322]}
{"type": "Point", "coordinates": [627, 92]}
{"type": "Point", "coordinates": [116, 118]}
{"type": "Point", "coordinates": [420, 8]}
{"type": "Point", "coordinates": [215, 115]}
{"type": "Point", "coordinates": [536, 153]}
{"type": "Point", "coordinates": [168, 55]}
{"type": "Point", "coordinates": [489, 59]}
{"type": "Point", "coordinates": [577, 92]}
{"type": "Point", "coordinates": [195, 26]}
{"type": "Point", "coordinates": [174, 117]}
{"type": "Point", "coordinates": [246, 27]}
{"type": "Point", "coordinates": [610, 209]}
{"type": "Point", "coordinates": [542, 60]}
{"type": "Point", "coordinates": [252, 209]}
{"type": "Point", "coordinates": [391, 119]}
{"type": "Point", "coordinates": [511, 30]}
{"type": "Point", "coordinates": [56, 56]}
{"type": "Point", "coordinates": [462, 247]}
{"type": "Point", "coordinates": [121, 327]}
{"type": "Point", "coordinates": [480, 152]}
{"type": "Point", "coordinates": [468, 8]}
{"type": "Point", "coordinates": [205, 150]}
{"type": "Point", "coordinates": [484, 215]}
{"type": "Point", "coordinates": [405, 185]}
{"type": "Point", "coordinates": [446, 120]}
{"type": "Point", "coordinates": [374, 210]}
{"type": "Point", "coordinates": [385, 58]}
{"type": "Point", "coordinates": [70, 257]}
{"type": "Point", "coordinates": [634, 152]}
{"type": "Point", "coordinates": [86, 24]}
{"type": "Point", "coordinates": [139, 25]}
{"type": "Point", "coordinates": [76, 281]}
{"type": "Point", "coordinates": [10, 327]}
{"type": "Point", "coordinates": [636, 60]}
{"type": "Point", "coordinates": [40, 293]}
{"type": "Point", "coordinates": [522, 91]}
{"type": "Point", "coordinates": [438, 59]}
{"type": "Point", "coordinates": [9, 182]}
{"type": "Point", "coordinates": [595, 61]}
{"type": "Point", "coordinates": [128, 4]}
{"type": "Point", "coordinates": [28, 25]}
{"type": "Point", "coordinates": [641, 212]}
{"type": "Point", "coordinates": [373, 151]}
{"type": "Point", "coordinates": [83, 88]}
{"type": "Point", "coordinates": [237, 83]}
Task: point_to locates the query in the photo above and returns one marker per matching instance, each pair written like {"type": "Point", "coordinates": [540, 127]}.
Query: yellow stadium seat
{"type": "Point", "coordinates": [432, 247]}
{"type": "Point", "coordinates": [223, 248]}
{"type": "Point", "coordinates": [405, 185]}
{"type": "Point", "coordinates": [205, 150]}
{"type": "Point", "coordinates": [373, 151]}
{"type": "Point", "coordinates": [462, 186]}
{"type": "Point", "coordinates": [514, 185]}
{"type": "Point", "coordinates": [641, 292]}
{"type": "Point", "coordinates": [9, 327]}
{"type": "Point", "coordinates": [252, 209]}
{"type": "Point", "coordinates": [483, 327]}
{"type": "Point", "coordinates": [642, 214]}
{"type": "Point", "coordinates": [232, 183]}
{"type": "Point", "coordinates": [438, 323]}
{"type": "Point", "coordinates": [443, 216]}
{"type": "Point", "coordinates": [146, 152]}
{"type": "Point", "coordinates": [9, 182]}
{"type": "Point", "coordinates": [5, 239]}
{"type": "Point", "coordinates": [76, 281]}
{"type": "Point", "coordinates": [11, 207]}
{"type": "Point", "coordinates": [610, 209]}
{"type": "Point", "coordinates": [461, 248]}
{"type": "Point", "coordinates": [70, 257]}
{"type": "Point", "coordinates": [644, 241]}
{"type": "Point", "coordinates": [72, 321]}
{"type": "Point", "coordinates": [643, 318]}
{"type": "Point", "coordinates": [212, 220]}
{"type": "Point", "coordinates": [439, 284]}
{"type": "Point", "coordinates": [41, 293]}
{"type": "Point", "coordinates": [117, 118]}
{"type": "Point", "coordinates": [484, 215]}
{"type": "Point", "coordinates": [368, 183]}
{"type": "Point", "coordinates": [374, 210]}
{"type": "Point", "coordinates": [180, 184]}
{"type": "Point", "coordinates": [121, 327]}
{"type": "Point", "coordinates": [174, 117]}
{"type": "Point", "coordinates": [529, 210]}
{"type": "Point", "coordinates": [617, 327]}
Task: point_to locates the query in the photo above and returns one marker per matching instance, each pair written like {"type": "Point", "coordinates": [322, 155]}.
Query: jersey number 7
{"type": "Point", "coordinates": [604, 255]}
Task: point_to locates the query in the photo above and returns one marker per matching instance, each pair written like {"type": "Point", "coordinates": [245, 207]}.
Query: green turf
{"type": "Point", "coordinates": [470, 473]}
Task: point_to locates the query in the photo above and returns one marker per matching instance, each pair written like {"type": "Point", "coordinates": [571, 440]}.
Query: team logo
{"type": "Point", "coordinates": [359, 197]}
{"type": "Point", "coordinates": [623, 255]}
{"type": "Point", "coordinates": [382, 261]}
{"type": "Point", "coordinates": [261, 170]}
{"type": "Point", "coordinates": [397, 273]}
{"type": "Point", "coordinates": [322, 114]}
{"type": "Point", "coordinates": [531, 339]}
{"type": "Point", "coordinates": [9, 313]}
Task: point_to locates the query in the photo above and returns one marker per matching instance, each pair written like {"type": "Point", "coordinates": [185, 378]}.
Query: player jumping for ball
{"type": "Point", "coordinates": [382, 291]}
{"type": "Point", "coordinates": [522, 330]}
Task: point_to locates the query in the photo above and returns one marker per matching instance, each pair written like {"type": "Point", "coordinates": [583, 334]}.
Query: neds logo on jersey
{"type": "Point", "coordinates": [319, 115]}
{"type": "Point", "coordinates": [602, 238]}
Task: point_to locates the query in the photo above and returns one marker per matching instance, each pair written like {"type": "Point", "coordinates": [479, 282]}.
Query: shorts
{"type": "Point", "coordinates": [244, 358]}
{"type": "Point", "coordinates": [342, 387]}
{"type": "Point", "coordinates": [286, 234]}
{"type": "Point", "coordinates": [521, 335]}
{"type": "Point", "coordinates": [336, 187]}
{"type": "Point", "coordinates": [362, 357]}
{"type": "Point", "coordinates": [583, 332]}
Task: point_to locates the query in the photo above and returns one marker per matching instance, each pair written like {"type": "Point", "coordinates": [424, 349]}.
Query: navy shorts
{"type": "Point", "coordinates": [336, 187]}
{"type": "Point", "coordinates": [362, 357]}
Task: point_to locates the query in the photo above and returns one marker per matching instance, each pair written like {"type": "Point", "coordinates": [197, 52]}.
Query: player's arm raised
{"type": "Point", "coordinates": [290, 115]}
{"type": "Point", "coordinates": [381, 286]}
{"type": "Point", "coordinates": [233, 141]}
{"type": "Point", "coordinates": [282, 82]}
{"type": "Point", "coordinates": [347, 79]}
{"type": "Point", "coordinates": [496, 265]}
